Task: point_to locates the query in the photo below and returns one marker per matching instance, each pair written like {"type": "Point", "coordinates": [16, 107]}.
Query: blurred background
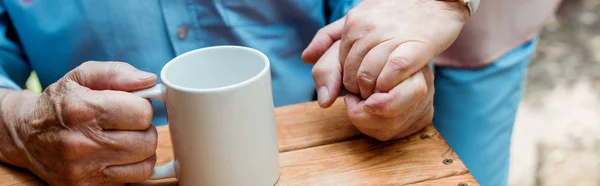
{"type": "Point", "coordinates": [556, 140]}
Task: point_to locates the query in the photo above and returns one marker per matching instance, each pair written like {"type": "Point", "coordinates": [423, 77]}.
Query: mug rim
{"type": "Point", "coordinates": [263, 71]}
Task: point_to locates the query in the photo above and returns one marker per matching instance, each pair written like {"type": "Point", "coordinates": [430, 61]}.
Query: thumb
{"type": "Point", "coordinates": [327, 74]}
{"type": "Point", "coordinates": [324, 38]}
{"type": "Point", "coordinates": [111, 76]}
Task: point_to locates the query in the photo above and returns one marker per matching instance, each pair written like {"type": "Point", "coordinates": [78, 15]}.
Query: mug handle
{"type": "Point", "coordinates": [158, 92]}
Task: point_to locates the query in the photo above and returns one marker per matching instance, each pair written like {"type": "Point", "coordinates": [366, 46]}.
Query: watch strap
{"type": "Point", "coordinates": [472, 5]}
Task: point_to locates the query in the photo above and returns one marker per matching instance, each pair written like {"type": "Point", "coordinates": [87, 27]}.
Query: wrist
{"type": "Point", "coordinates": [16, 108]}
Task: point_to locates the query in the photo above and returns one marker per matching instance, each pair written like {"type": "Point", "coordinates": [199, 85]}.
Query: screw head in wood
{"type": "Point", "coordinates": [447, 161]}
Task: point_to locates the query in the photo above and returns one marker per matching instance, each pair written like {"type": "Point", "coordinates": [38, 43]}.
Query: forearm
{"type": "Point", "coordinates": [15, 107]}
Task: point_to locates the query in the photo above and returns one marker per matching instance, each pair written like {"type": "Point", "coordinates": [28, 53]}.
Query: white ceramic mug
{"type": "Point", "coordinates": [221, 117]}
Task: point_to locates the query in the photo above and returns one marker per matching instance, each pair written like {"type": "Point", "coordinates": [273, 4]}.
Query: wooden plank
{"type": "Point", "coordinates": [363, 161]}
{"type": "Point", "coordinates": [164, 148]}
{"type": "Point", "coordinates": [458, 180]}
{"type": "Point", "coordinates": [307, 125]}
{"type": "Point", "coordinates": [368, 162]}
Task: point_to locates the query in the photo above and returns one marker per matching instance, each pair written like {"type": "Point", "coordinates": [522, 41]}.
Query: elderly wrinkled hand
{"type": "Point", "coordinates": [86, 128]}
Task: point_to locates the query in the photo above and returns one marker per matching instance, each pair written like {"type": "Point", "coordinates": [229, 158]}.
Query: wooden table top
{"type": "Point", "coordinates": [321, 147]}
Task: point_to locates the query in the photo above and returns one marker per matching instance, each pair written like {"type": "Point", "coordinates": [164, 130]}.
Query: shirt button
{"type": "Point", "coordinates": [182, 32]}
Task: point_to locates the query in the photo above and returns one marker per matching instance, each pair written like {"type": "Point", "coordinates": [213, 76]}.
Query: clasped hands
{"type": "Point", "coordinates": [379, 52]}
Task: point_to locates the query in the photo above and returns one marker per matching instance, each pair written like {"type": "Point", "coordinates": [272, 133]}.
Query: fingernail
{"type": "Point", "coordinates": [368, 109]}
{"type": "Point", "coordinates": [141, 75]}
{"type": "Point", "coordinates": [323, 95]}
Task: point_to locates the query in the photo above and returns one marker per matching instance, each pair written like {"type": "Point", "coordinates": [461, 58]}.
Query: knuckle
{"type": "Point", "coordinates": [355, 21]}
{"type": "Point", "coordinates": [76, 111]}
{"type": "Point", "coordinates": [76, 74]}
{"type": "Point", "coordinates": [398, 63]}
{"type": "Point", "coordinates": [80, 70]}
{"type": "Point", "coordinates": [351, 17]}
{"type": "Point", "coordinates": [114, 68]}
{"type": "Point", "coordinates": [87, 64]}
{"type": "Point", "coordinates": [363, 77]}
{"type": "Point", "coordinates": [318, 71]}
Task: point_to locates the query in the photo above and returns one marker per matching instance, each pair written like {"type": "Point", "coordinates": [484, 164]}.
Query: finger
{"type": "Point", "coordinates": [354, 29]}
{"type": "Point", "coordinates": [118, 110]}
{"type": "Point", "coordinates": [404, 61]}
{"type": "Point", "coordinates": [130, 173]}
{"type": "Point", "coordinates": [371, 66]}
{"type": "Point", "coordinates": [361, 119]}
{"type": "Point", "coordinates": [354, 106]}
{"type": "Point", "coordinates": [323, 40]}
{"type": "Point", "coordinates": [111, 76]}
{"type": "Point", "coordinates": [327, 74]}
{"type": "Point", "coordinates": [400, 98]}
{"type": "Point", "coordinates": [129, 146]}
{"type": "Point", "coordinates": [353, 62]}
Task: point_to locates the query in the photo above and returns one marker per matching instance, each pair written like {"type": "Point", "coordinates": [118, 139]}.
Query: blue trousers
{"type": "Point", "coordinates": [475, 111]}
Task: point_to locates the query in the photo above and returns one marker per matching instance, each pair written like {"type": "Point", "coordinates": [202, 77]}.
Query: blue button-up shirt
{"type": "Point", "coordinates": [52, 37]}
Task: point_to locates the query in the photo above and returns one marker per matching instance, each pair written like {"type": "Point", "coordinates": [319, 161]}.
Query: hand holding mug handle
{"type": "Point", "coordinates": [166, 171]}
